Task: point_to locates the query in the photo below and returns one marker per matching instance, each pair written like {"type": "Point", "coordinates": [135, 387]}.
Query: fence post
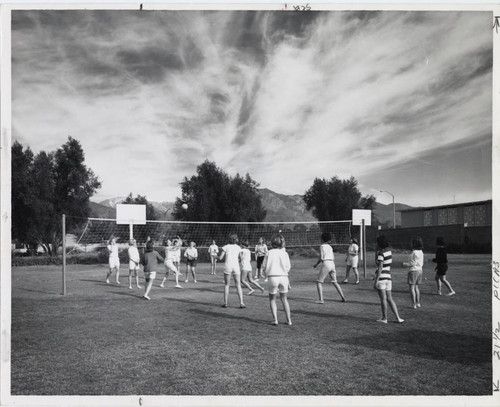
{"type": "Point", "coordinates": [63, 255]}
{"type": "Point", "coordinates": [363, 234]}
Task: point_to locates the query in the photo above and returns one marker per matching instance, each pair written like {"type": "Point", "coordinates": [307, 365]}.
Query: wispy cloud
{"type": "Point", "coordinates": [286, 97]}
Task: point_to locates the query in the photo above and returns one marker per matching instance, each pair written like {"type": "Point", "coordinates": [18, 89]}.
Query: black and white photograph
{"type": "Point", "coordinates": [288, 201]}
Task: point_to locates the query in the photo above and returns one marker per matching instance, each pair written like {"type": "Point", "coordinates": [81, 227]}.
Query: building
{"type": "Point", "coordinates": [468, 214]}
{"type": "Point", "coordinates": [465, 227]}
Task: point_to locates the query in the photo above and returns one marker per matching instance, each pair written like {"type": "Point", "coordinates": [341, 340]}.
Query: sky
{"type": "Point", "coordinates": [401, 100]}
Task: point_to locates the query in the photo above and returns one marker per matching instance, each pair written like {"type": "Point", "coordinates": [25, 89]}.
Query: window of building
{"type": "Point", "coordinates": [452, 216]}
{"type": "Point", "coordinates": [469, 215]}
{"type": "Point", "coordinates": [442, 217]}
{"type": "Point", "coordinates": [428, 218]}
{"type": "Point", "coordinates": [480, 214]}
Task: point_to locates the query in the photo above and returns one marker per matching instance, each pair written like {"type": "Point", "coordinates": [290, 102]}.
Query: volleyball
{"type": "Point", "coordinates": [184, 206]}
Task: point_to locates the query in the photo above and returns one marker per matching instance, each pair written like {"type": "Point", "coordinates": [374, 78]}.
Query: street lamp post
{"type": "Point", "coordinates": [393, 210]}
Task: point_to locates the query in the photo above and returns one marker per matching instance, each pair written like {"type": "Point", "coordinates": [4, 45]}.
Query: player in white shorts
{"type": "Point", "coordinates": [352, 261]}
{"type": "Point", "coordinates": [213, 250]}
{"type": "Point", "coordinates": [276, 265]}
{"type": "Point", "coordinates": [169, 263]}
{"type": "Point", "coordinates": [246, 269]}
{"type": "Point", "coordinates": [191, 255]}
{"type": "Point", "coordinates": [114, 260]}
{"type": "Point", "coordinates": [133, 263]}
{"type": "Point", "coordinates": [327, 267]}
{"type": "Point", "coordinates": [231, 252]}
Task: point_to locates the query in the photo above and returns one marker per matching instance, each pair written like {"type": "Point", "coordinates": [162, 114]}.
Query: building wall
{"type": "Point", "coordinates": [479, 214]}
{"type": "Point", "coordinates": [476, 239]}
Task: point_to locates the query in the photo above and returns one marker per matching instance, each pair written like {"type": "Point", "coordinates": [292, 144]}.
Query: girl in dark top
{"type": "Point", "coordinates": [441, 261]}
{"type": "Point", "coordinates": [150, 261]}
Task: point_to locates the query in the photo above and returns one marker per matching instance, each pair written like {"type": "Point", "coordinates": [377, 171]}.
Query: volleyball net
{"type": "Point", "coordinates": [96, 233]}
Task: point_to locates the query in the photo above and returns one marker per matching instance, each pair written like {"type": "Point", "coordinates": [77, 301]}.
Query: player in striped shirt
{"type": "Point", "coordinates": [383, 282]}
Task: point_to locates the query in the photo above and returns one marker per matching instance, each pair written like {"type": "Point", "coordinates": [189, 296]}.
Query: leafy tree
{"type": "Point", "coordinates": [213, 195]}
{"type": "Point", "coordinates": [47, 186]}
{"type": "Point", "coordinates": [335, 199]}
{"type": "Point", "coordinates": [22, 162]}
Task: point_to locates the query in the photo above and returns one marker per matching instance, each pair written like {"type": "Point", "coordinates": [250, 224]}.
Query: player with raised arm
{"type": "Point", "coordinates": [191, 254]}
{"type": "Point", "coordinates": [213, 251]}
{"type": "Point", "coordinates": [277, 265]}
{"type": "Point", "coordinates": [383, 281]}
{"type": "Point", "coordinates": [133, 263]}
{"type": "Point", "coordinates": [326, 260]}
{"type": "Point", "coordinates": [231, 254]}
{"type": "Point", "coordinates": [114, 260]}
{"type": "Point", "coordinates": [246, 268]}
{"type": "Point", "coordinates": [169, 263]}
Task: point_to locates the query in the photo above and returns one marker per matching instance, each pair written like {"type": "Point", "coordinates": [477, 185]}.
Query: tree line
{"type": "Point", "coordinates": [49, 184]}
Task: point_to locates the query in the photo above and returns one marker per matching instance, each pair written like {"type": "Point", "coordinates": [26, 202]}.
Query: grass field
{"type": "Point", "coordinates": [105, 340]}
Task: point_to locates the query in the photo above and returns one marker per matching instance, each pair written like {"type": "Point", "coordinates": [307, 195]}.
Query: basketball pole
{"type": "Point", "coordinates": [363, 233]}
{"type": "Point", "coordinates": [63, 255]}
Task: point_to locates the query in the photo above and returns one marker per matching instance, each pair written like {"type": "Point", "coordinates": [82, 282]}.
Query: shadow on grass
{"type": "Point", "coordinates": [330, 315]}
{"type": "Point", "coordinates": [311, 300]}
{"type": "Point", "coordinates": [36, 291]}
{"type": "Point", "coordinates": [230, 316]}
{"type": "Point", "coordinates": [450, 347]}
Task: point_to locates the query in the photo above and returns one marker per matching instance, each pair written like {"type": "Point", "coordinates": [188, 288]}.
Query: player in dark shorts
{"type": "Point", "coordinates": [441, 261]}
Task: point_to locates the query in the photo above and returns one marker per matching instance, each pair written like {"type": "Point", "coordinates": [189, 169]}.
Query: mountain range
{"type": "Point", "coordinates": [279, 207]}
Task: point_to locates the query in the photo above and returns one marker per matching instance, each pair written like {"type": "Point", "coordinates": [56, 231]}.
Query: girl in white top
{"type": "Point", "coordinates": [133, 263]}
{"type": "Point", "coordinates": [191, 254]}
{"type": "Point", "coordinates": [352, 261]}
{"type": "Point", "coordinates": [246, 269]}
{"type": "Point", "coordinates": [169, 263]}
{"type": "Point", "coordinates": [176, 252]}
{"type": "Point", "coordinates": [213, 250]}
{"type": "Point", "coordinates": [327, 268]}
{"type": "Point", "coordinates": [416, 264]}
{"type": "Point", "coordinates": [260, 254]}
{"type": "Point", "coordinates": [276, 266]}
{"type": "Point", "coordinates": [114, 260]}
{"type": "Point", "coordinates": [231, 252]}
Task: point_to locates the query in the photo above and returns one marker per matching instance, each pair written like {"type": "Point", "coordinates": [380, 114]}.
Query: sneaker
{"type": "Point", "coordinates": [265, 280]}
{"type": "Point", "coordinates": [162, 286]}
{"type": "Point", "coordinates": [195, 281]}
{"type": "Point", "coordinates": [243, 306]}
{"type": "Point", "coordinates": [418, 305]}
{"type": "Point", "coordinates": [274, 323]}
{"type": "Point", "coordinates": [186, 281]}
{"type": "Point", "coordinates": [224, 305]}
{"type": "Point", "coordinates": [250, 292]}
{"type": "Point", "coordinates": [357, 282]}
{"type": "Point", "coordinates": [414, 306]}
{"type": "Point", "coordinates": [129, 287]}
{"type": "Point", "coordinates": [118, 283]}
{"type": "Point", "coordinates": [139, 286]}
{"type": "Point", "coordinates": [289, 323]}
{"type": "Point", "coordinates": [451, 293]}
{"type": "Point", "coordinates": [320, 302]}
{"type": "Point", "coordinates": [384, 321]}
{"type": "Point", "coordinates": [401, 320]}
{"type": "Point", "coordinates": [345, 282]}
{"type": "Point", "coordinates": [344, 300]}
{"type": "Point", "coordinates": [178, 286]}
{"type": "Point", "coordinates": [146, 297]}
{"type": "Point", "coordinates": [438, 292]}
{"type": "Point", "coordinates": [107, 281]}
